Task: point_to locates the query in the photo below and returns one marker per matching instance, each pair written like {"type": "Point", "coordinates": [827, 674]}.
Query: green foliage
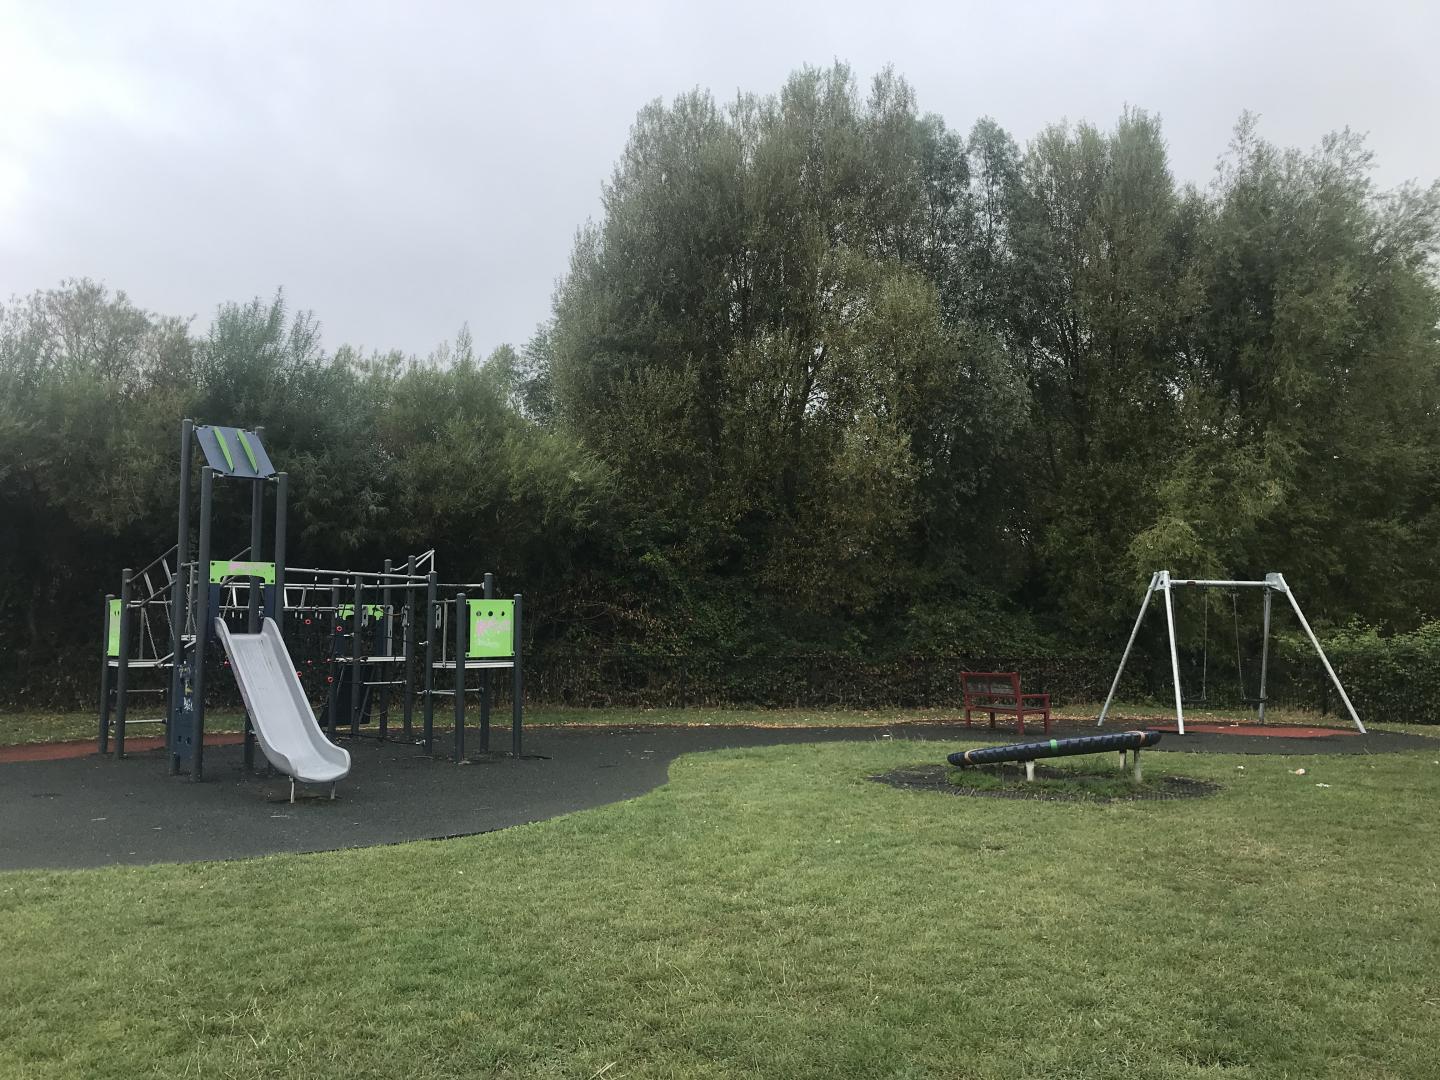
{"type": "Point", "coordinates": [826, 376]}
{"type": "Point", "coordinates": [1391, 678]}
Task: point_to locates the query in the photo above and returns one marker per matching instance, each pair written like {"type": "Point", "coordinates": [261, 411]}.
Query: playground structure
{"type": "Point", "coordinates": [1162, 582]}
{"type": "Point", "coordinates": [1028, 753]}
{"type": "Point", "coordinates": [370, 640]}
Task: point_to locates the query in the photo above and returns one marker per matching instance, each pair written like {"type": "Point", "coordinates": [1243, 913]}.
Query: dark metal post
{"type": "Point", "coordinates": [517, 691]}
{"type": "Point", "coordinates": [202, 619]}
{"type": "Point", "coordinates": [485, 680]}
{"type": "Point", "coordinates": [254, 589]}
{"type": "Point", "coordinates": [122, 664]}
{"type": "Point", "coordinates": [387, 650]}
{"type": "Point", "coordinates": [174, 716]}
{"type": "Point", "coordinates": [408, 664]}
{"type": "Point", "coordinates": [282, 497]}
{"type": "Point", "coordinates": [460, 620]}
{"type": "Point", "coordinates": [431, 581]}
{"type": "Point", "coordinates": [332, 706]}
{"type": "Point", "coordinates": [104, 740]}
{"type": "Point", "coordinates": [179, 597]}
{"type": "Point", "coordinates": [357, 689]}
{"type": "Point", "coordinates": [257, 515]}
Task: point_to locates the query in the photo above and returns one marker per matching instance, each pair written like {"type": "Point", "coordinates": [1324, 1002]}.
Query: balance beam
{"type": "Point", "coordinates": [1030, 752]}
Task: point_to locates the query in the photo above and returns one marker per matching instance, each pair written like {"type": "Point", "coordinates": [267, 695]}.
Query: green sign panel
{"type": "Point", "coordinates": [231, 568]}
{"type": "Point", "coordinates": [492, 628]}
{"type": "Point", "coordinates": [112, 642]}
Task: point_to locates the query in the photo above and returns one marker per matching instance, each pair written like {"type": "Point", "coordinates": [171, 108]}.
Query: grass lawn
{"type": "Point", "coordinates": [774, 913]}
{"type": "Point", "coordinates": [1089, 777]}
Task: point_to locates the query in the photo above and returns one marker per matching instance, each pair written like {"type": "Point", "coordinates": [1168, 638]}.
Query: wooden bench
{"type": "Point", "coordinates": [999, 692]}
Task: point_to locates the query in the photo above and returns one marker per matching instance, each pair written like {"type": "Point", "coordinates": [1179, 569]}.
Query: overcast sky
{"type": "Point", "coordinates": [405, 168]}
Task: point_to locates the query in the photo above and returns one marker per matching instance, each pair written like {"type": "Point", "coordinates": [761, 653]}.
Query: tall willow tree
{"type": "Point", "coordinates": [1102, 296]}
{"type": "Point", "coordinates": [754, 338]}
{"type": "Point", "coordinates": [1317, 377]}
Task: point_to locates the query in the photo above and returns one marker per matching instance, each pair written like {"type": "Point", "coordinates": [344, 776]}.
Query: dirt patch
{"type": "Point", "coordinates": [937, 778]}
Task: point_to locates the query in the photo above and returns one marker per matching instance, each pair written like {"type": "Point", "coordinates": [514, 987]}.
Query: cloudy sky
{"type": "Point", "coordinates": [406, 168]}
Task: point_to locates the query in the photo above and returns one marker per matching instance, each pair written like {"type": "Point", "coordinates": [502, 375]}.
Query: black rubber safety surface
{"type": "Point", "coordinates": [96, 811]}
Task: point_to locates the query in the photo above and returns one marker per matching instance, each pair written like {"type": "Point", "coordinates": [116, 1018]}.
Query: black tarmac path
{"type": "Point", "coordinates": [96, 811]}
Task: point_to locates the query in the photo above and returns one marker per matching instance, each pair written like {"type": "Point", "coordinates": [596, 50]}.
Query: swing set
{"type": "Point", "coordinates": [1274, 584]}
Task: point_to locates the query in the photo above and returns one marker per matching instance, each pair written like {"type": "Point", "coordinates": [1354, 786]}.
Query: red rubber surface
{"type": "Point", "coordinates": [1275, 731]}
{"type": "Point", "coordinates": [59, 751]}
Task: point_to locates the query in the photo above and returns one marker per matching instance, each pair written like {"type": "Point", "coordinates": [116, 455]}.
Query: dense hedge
{"type": "Point", "coordinates": [1393, 678]}
{"type": "Point", "coordinates": [798, 681]}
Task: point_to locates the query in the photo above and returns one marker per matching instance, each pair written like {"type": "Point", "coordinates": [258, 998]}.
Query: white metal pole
{"type": "Point", "coordinates": [1164, 583]}
{"type": "Point", "coordinates": [1144, 606]}
{"type": "Point", "coordinates": [1304, 625]}
{"type": "Point", "coordinates": [1265, 653]}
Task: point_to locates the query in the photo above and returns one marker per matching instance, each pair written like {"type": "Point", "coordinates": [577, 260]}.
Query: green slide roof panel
{"type": "Point", "coordinates": [249, 454]}
{"type": "Point", "coordinates": [216, 444]}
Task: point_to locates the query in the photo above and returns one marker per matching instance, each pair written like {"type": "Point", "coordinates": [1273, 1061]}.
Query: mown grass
{"type": "Point", "coordinates": [773, 913]}
{"type": "Point", "coordinates": [1083, 779]}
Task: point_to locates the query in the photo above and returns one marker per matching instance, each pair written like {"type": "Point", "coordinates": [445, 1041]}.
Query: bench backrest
{"type": "Point", "coordinates": [983, 688]}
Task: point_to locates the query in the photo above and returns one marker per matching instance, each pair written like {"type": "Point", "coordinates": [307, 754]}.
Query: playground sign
{"type": "Point", "coordinates": [492, 628]}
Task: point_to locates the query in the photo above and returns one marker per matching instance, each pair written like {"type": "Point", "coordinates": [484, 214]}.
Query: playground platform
{"type": "Point", "coordinates": [73, 812]}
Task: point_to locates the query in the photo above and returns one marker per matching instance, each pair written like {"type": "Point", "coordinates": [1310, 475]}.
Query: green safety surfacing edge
{"type": "Point", "coordinates": [233, 451]}
{"type": "Point", "coordinates": [231, 568]}
{"type": "Point", "coordinates": [112, 640]}
{"type": "Point", "coordinates": [492, 628]}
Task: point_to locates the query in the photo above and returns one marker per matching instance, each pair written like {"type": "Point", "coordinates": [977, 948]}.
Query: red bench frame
{"type": "Point", "coordinates": [999, 692]}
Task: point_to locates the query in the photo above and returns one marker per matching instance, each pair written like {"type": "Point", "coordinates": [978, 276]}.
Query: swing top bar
{"type": "Point", "coordinates": [1274, 581]}
{"type": "Point", "coordinates": [1222, 584]}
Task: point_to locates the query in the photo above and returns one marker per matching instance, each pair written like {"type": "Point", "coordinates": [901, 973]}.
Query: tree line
{"type": "Point", "coordinates": [827, 375]}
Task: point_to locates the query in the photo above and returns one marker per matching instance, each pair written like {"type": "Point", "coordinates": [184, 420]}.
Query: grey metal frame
{"type": "Point", "coordinates": [1162, 581]}
{"type": "Point", "coordinates": [191, 598]}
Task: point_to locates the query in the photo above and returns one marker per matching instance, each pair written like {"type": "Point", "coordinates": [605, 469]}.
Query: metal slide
{"type": "Point", "coordinates": [284, 724]}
